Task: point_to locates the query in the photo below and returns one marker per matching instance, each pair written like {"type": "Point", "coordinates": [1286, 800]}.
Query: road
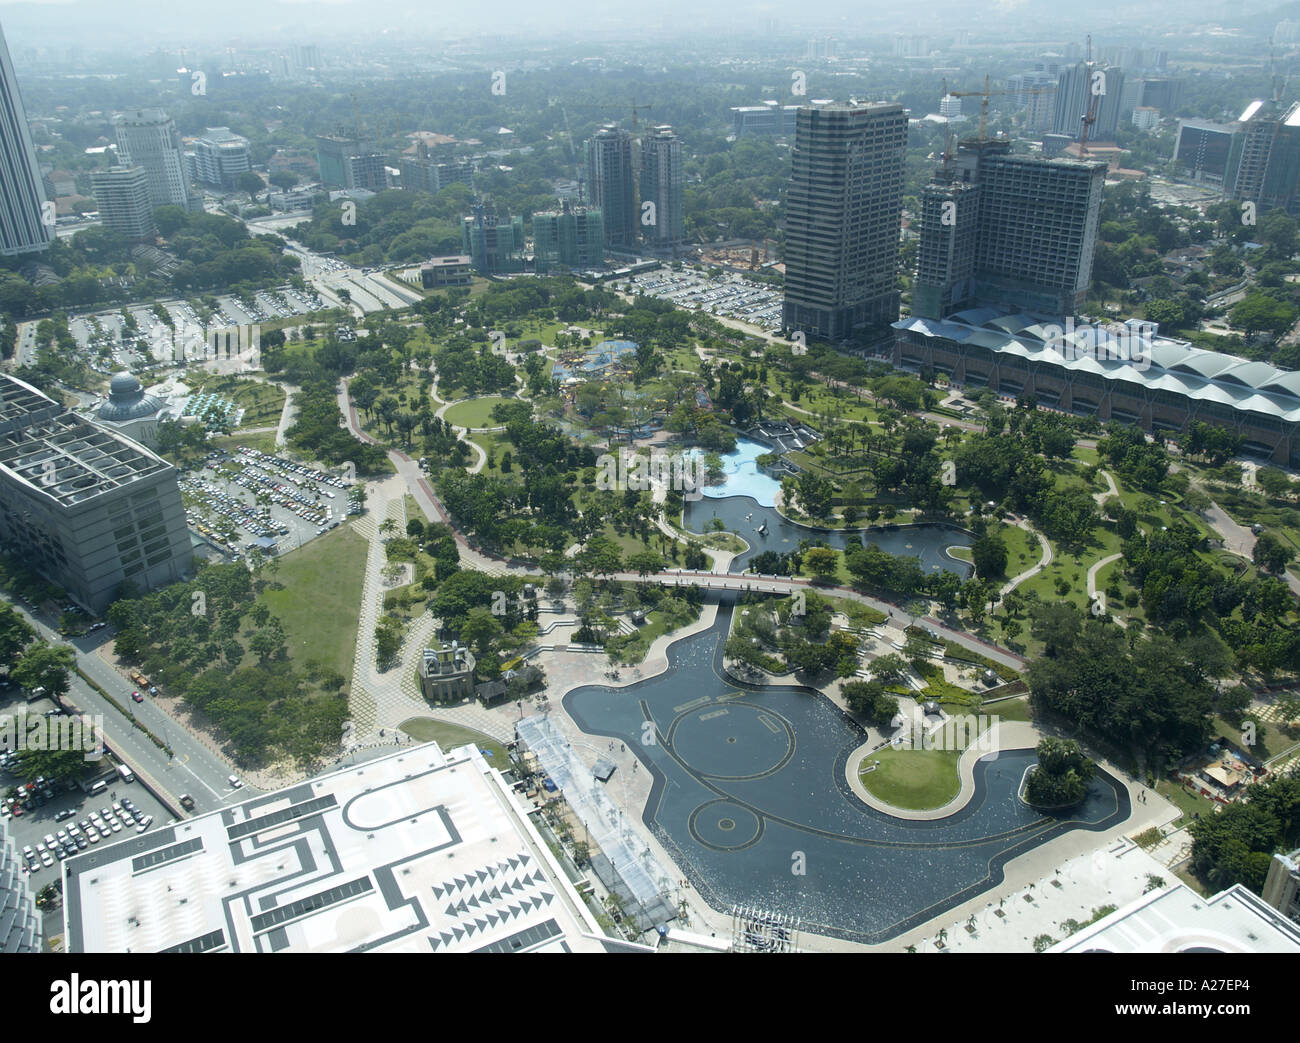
{"type": "Point", "coordinates": [193, 769]}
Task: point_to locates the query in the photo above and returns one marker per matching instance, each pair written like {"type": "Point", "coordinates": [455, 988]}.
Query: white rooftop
{"type": "Point", "coordinates": [1179, 920]}
{"type": "Point", "coordinates": [419, 851]}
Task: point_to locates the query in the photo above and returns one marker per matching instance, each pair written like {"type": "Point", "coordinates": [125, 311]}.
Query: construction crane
{"type": "Point", "coordinates": [1089, 117]}
{"type": "Point", "coordinates": [984, 96]}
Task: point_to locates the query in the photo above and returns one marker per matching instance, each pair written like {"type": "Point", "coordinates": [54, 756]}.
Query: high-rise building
{"type": "Point", "coordinates": [123, 197]}
{"type": "Point", "coordinates": [1268, 173]}
{"type": "Point", "coordinates": [843, 218]}
{"type": "Point", "coordinates": [663, 184]}
{"type": "Point", "coordinates": [494, 246]}
{"type": "Point", "coordinates": [1007, 231]}
{"type": "Point", "coordinates": [1075, 91]}
{"type": "Point", "coordinates": [571, 237]}
{"type": "Point", "coordinates": [24, 227]}
{"type": "Point", "coordinates": [87, 507]}
{"type": "Point", "coordinates": [611, 185]}
{"type": "Point", "coordinates": [424, 172]}
{"type": "Point", "coordinates": [220, 156]}
{"type": "Point", "coordinates": [20, 921]}
{"type": "Point", "coordinates": [346, 162]}
{"type": "Point", "coordinates": [1207, 152]}
{"type": "Point", "coordinates": [147, 138]}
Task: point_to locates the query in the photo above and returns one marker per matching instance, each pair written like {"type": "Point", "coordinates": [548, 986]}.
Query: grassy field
{"type": "Point", "coordinates": [476, 412]}
{"type": "Point", "coordinates": [316, 596]}
{"type": "Point", "coordinates": [450, 736]}
{"type": "Point", "coordinates": [262, 401]}
{"type": "Point", "coordinates": [915, 780]}
{"type": "Point", "coordinates": [263, 442]}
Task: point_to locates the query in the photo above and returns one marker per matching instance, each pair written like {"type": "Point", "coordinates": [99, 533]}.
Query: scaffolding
{"type": "Point", "coordinates": [625, 864]}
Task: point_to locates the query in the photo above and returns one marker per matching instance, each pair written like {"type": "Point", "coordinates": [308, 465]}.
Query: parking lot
{"type": "Point", "coordinates": [728, 295]}
{"type": "Point", "coordinates": [238, 499]}
{"type": "Point", "coordinates": [50, 822]}
{"type": "Point", "coordinates": [106, 334]}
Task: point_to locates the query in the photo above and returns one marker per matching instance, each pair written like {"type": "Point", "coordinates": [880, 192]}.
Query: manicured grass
{"type": "Point", "coordinates": [1187, 803]}
{"type": "Point", "coordinates": [316, 595]}
{"type": "Point", "coordinates": [476, 412]}
{"type": "Point", "coordinates": [264, 442]}
{"type": "Point", "coordinates": [915, 780]}
{"type": "Point", "coordinates": [451, 736]}
{"type": "Point", "coordinates": [1009, 710]}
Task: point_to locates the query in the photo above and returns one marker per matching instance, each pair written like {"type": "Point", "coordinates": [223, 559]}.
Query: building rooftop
{"type": "Point", "coordinates": [127, 400]}
{"type": "Point", "coordinates": [1161, 363]}
{"type": "Point", "coordinates": [71, 460]}
{"type": "Point", "coordinates": [419, 852]}
{"type": "Point", "coordinates": [20, 403]}
{"type": "Point", "coordinates": [1179, 920]}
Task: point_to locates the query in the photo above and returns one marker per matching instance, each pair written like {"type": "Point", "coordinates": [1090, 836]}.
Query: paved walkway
{"type": "Point", "coordinates": [1111, 488]}
{"type": "Point", "coordinates": [1097, 567]}
{"type": "Point", "coordinates": [1045, 559]}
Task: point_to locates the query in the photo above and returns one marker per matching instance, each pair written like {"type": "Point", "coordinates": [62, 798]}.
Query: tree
{"type": "Point", "coordinates": [250, 182]}
{"type": "Point", "coordinates": [1274, 481]}
{"type": "Point", "coordinates": [44, 666]}
{"type": "Point", "coordinates": [1062, 775]}
{"type": "Point", "coordinates": [1271, 554]}
{"type": "Point", "coordinates": [990, 555]}
{"type": "Point", "coordinates": [822, 562]}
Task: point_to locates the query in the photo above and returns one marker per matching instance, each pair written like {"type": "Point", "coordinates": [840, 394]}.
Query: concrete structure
{"type": "Point", "coordinates": [1282, 885]}
{"type": "Point", "coordinates": [439, 272]}
{"type": "Point", "coordinates": [84, 505]}
{"type": "Point", "coordinates": [124, 205]}
{"type": "Point", "coordinates": [571, 237]}
{"type": "Point", "coordinates": [1178, 920]}
{"type": "Point", "coordinates": [1134, 377]}
{"type": "Point", "coordinates": [771, 119]}
{"type": "Point", "coordinates": [1208, 152]}
{"type": "Point", "coordinates": [843, 217]}
{"type": "Point", "coordinates": [25, 224]}
{"type": "Point", "coordinates": [1007, 231]}
{"type": "Point", "coordinates": [21, 927]}
{"type": "Point", "coordinates": [446, 673]}
{"type": "Point", "coordinates": [425, 172]}
{"type": "Point", "coordinates": [129, 411]}
{"type": "Point", "coordinates": [1075, 90]}
{"type": "Point", "coordinates": [494, 246]}
{"type": "Point", "coordinates": [1268, 173]}
{"type": "Point", "coordinates": [346, 162]}
{"type": "Point", "coordinates": [611, 185]}
{"type": "Point", "coordinates": [220, 156]}
{"type": "Point", "coordinates": [147, 138]}
{"type": "Point", "coordinates": [663, 184]}
{"type": "Point", "coordinates": [419, 852]}
{"type": "Point", "coordinates": [1145, 117]}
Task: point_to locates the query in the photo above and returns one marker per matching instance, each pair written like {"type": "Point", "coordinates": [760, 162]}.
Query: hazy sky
{"type": "Point", "coordinates": [144, 24]}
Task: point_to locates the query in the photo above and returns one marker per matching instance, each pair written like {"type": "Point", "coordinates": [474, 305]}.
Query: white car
{"type": "Point", "coordinates": [145, 823]}
{"type": "Point", "coordinates": [93, 837]}
{"type": "Point", "coordinates": [234, 781]}
{"type": "Point", "coordinates": [47, 859]}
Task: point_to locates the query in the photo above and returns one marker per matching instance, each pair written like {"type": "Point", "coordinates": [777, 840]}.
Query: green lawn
{"type": "Point", "coordinates": [451, 736]}
{"type": "Point", "coordinates": [915, 780]}
{"type": "Point", "coordinates": [476, 412]}
{"type": "Point", "coordinates": [262, 401]}
{"type": "Point", "coordinates": [316, 595]}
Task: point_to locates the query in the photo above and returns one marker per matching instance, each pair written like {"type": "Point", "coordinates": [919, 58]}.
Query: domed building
{"type": "Point", "coordinates": [129, 410]}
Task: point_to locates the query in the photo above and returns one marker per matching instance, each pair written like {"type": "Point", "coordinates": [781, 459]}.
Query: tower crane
{"type": "Point", "coordinates": [984, 96]}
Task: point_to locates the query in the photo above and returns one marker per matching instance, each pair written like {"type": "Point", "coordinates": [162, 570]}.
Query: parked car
{"type": "Point", "coordinates": [234, 781]}
{"type": "Point", "coordinates": [137, 697]}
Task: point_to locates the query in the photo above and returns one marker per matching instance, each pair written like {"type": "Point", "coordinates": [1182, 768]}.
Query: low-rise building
{"type": "Point", "coordinates": [1282, 885]}
{"type": "Point", "coordinates": [446, 673]}
{"type": "Point", "coordinates": [439, 272]}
